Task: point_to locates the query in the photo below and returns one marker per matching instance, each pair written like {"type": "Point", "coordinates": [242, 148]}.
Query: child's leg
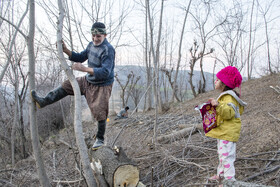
{"type": "Point", "coordinates": [227, 155]}
{"type": "Point", "coordinates": [220, 169]}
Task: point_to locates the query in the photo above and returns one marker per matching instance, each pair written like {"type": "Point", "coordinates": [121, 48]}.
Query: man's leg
{"type": "Point", "coordinates": [100, 135]}
{"type": "Point", "coordinates": [51, 97]}
{"type": "Point", "coordinates": [98, 101]}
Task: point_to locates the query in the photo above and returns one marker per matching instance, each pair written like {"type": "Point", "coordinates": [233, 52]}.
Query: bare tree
{"type": "Point", "coordinates": [136, 92]}
{"type": "Point", "coordinates": [231, 34]}
{"type": "Point", "coordinates": [202, 23]}
{"type": "Point", "coordinates": [127, 87]}
{"type": "Point", "coordinates": [250, 41]}
{"type": "Point", "coordinates": [155, 55]}
{"type": "Point", "coordinates": [77, 94]}
{"type": "Point", "coordinates": [43, 178]}
{"type": "Point", "coordinates": [12, 41]}
{"type": "Point", "coordinates": [174, 85]}
{"type": "Point", "coordinates": [148, 63]}
{"type": "Point", "coordinates": [264, 12]}
{"type": "Point", "coordinates": [195, 56]}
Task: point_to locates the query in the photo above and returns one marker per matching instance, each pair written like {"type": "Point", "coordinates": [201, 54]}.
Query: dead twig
{"type": "Point", "coordinates": [183, 162]}
{"type": "Point", "coordinates": [67, 182]}
{"type": "Point", "coordinates": [277, 89]}
{"type": "Point", "coordinates": [269, 170]}
{"type": "Point", "coordinates": [263, 153]}
{"type": "Point", "coordinates": [273, 116]}
{"type": "Point", "coordinates": [259, 159]}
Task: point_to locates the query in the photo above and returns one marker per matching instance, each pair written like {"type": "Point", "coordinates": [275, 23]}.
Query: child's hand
{"type": "Point", "coordinates": [213, 102]}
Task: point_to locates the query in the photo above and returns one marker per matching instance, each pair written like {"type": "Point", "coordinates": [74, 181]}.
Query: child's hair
{"type": "Point", "coordinates": [226, 88]}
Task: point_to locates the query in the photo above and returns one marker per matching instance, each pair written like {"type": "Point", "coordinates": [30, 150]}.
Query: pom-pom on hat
{"type": "Point", "coordinates": [230, 76]}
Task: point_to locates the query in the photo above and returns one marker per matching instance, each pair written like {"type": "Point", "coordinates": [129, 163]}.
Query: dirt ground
{"type": "Point", "coordinates": [181, 161]}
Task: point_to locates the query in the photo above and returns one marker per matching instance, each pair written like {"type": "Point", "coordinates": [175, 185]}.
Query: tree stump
{"type": "Point", "coordinates": [118, 169]}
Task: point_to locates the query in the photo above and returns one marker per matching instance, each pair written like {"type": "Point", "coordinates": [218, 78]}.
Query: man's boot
{"type": "Point", "coordinates": [99, 142]}
{"type": "Point", "coordinates": [50, 98]}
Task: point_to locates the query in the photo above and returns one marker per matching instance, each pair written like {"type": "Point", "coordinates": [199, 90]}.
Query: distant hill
{"type": "Point", "coordinates": [183, 82]}
{"type": "Point", "coordinates": [123, 71]}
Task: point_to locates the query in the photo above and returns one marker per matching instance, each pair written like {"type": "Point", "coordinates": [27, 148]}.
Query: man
{"type": "Point", "coordinates": [96, 86]}
{"type": "Point", "coordinates": [123, 113]}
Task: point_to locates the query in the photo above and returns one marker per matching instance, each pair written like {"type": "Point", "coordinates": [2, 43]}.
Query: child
{"type": "Point", "coordinates": [123, 113]}
{"type": "Point", "coordinates": [229, 107]}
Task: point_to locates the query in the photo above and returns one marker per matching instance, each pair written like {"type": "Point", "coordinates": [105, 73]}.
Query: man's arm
{"type": "Point", "coordinates": [81, 67]}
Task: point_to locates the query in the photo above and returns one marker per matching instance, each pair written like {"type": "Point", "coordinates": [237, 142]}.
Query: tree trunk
{"type": "Point", "coordinates": [43, 178]}
{"type": "Point", "coordinates": [156, 62]}
{"type": "Point", "coordinates": [177, 135]}
{"type": "Point", "coordinates": [117, 168]}
{"type": "Point", "coordinates": [77, 95]}
{"type": "Point", "coordinates": [155, 75]}
{"type": "Point", "coordinates": [16, 120]}
{"type": "Point", "coordinates": [190, 78]}
{"type": "Point", "coordinates": [148, 98]}
{"type": "Point", "coordinates": [203, 84]}
{"type": "Point", "coordinates": [250, 40]}
{"type": "Point", "coordinates": [179, 55]}
{"type": "Point", "coordinates": [268, 49]}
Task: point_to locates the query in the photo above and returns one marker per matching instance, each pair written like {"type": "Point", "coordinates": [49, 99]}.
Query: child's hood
{"type": "Point", "coordinates": [233, 94]}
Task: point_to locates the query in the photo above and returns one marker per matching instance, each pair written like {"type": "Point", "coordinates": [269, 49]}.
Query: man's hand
{"type": "Point", "coordinates": [81, 67]}
{"type": "Point", "coordinates": [64, 46]}
{"type": "Point", "coordinates": [78, 67]}
{"type": "Point", "coordinates": [65, 49]}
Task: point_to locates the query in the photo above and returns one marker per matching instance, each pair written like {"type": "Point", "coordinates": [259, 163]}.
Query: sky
{"type": "Point", "coordinates": [130, 37]}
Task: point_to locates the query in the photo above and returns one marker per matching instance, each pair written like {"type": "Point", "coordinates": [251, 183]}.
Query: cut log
{"type": "Point", "coordinates": [177, 135]}
{"type": "Point", "coordinates": [118, 169]}
{"type": "Point", "coordinates": [197, 125]}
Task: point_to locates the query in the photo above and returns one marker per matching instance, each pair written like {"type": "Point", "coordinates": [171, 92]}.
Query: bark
{"type": "Point", "coordinates": [155, 62]}
{"type": "Point", "coordinates": [77, 95]}
{"type": "Point", "coordinates": [193, 60]}
{"type": "Point", "coordinates": [16, 118]}
{"type": "Point", "coordinates": [148, 102]}
{"type": "Point", "coordinates": [268, 48]}
{"type": "Point", "coordinates": [43, 178]}
{"type": "Point", "coordinates": [180, 55]}
{"type": "Point", "coordinates": [203, 84]}
{"type": "Point", "coordinates": [117, 168]}
{"type": "Point", "coordinates": [250, 40]}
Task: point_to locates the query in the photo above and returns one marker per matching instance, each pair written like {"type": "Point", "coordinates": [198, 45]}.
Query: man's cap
{"type": "Point", "coordinates": [98, 28]}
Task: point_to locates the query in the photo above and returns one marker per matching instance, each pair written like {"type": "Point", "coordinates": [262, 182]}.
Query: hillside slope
{"type": "Point", "coordinates": [180, 161]}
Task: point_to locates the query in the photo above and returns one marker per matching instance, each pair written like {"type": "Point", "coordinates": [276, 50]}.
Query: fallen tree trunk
{"type": "Point", "coordinates": [177, 135]}
{"type": "Point", "coordinates": [117, 168]}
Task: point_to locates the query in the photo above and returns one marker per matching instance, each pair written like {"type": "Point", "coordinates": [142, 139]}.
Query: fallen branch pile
{"type": "Point", "coordinates": [185, 156]}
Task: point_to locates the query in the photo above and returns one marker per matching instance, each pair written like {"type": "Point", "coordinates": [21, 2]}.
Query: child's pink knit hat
{"type": "Point", "coordinates": [230, 76]}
